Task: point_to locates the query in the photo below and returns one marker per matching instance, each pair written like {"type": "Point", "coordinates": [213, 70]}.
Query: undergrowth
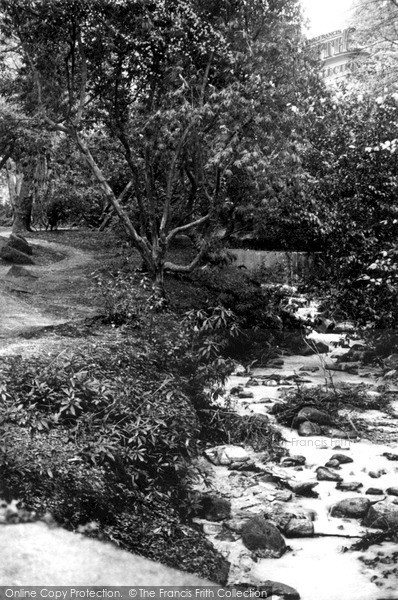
{"type": "Point", "coordinates": [330, 399]}
{"type": "Point", "coordinates": [108, 434]}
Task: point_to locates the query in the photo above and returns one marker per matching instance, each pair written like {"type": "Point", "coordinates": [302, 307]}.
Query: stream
{"type": "Point", "coordinates": [317, 566]}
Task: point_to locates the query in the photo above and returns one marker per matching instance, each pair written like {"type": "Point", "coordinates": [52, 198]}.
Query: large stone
{"type": "Point", "coordinates": [225, 455]}
{"type": "Point", "coordinates": [374, 491]}
{"type": "Point", "coordinates": [314, 415]}
{"type": "Point", "coordinates": [277, 408]}
{"type": "Point", "coordinates": [33, 554]}
{"type": "Point", "coordinates": [392, 491]}
{"type": "Point", "coordinates": [304, 488]}
{"type": "Point", "coordinates": [334, 433]}
{"type": "Point", "coordinates": [349, 486]}
{"type": "Point", "coordinates": [308, 429]}
{"type": "Point", "coordinates": [325, 474]}
{"type": "Point", "coordinates": [293, 461]}
{"type": "Point", "coordinates": [269, 589]}
{"type": "Point", "coordinates": [214, 508]}
{"type": "Point", "coordinates": [342, 458]}
{"type": "Point", "coordinates": [299, 528]}
{"type": "Point", "coordinates": [263, 538]}
{"type": "Point", "coordinates": [19, 243]}
{"type": "Point", "coordinates": [353, 508]}
{"type": "Point", "coordinates": [245, 394]}
{"type": "Point", "coordinates": [281, 514]}
{"type": "Point", "coordinates": [382, 515]}
{"type": "Point", "coordinates": [15, 256]}
{"type": "Point", "coordinates": [332, 464]}
{"type": "Point", "coordinates": [390, 455]}
{"type": "Point", "coordinates": [377, 474]}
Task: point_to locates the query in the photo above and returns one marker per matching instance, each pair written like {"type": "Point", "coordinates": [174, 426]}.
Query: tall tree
{"type": "Point", "coordinates": [185, 89]}
{"type": "Point", "coordinates": [376, 32]}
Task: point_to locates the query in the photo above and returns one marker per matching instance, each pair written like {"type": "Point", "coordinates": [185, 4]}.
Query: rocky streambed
{"type": "Point", "coordinates": [287, 524]}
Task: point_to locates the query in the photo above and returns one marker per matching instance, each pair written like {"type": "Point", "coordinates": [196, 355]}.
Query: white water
{"type": "Point", "coordinates": [317, 567]}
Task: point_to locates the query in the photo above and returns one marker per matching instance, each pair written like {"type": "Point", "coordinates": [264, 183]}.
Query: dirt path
{"type": "Point", "coordinates": [50, 296]}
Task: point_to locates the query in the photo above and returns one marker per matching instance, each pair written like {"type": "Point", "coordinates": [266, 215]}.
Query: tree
{"type": "Point", "coordinates": [376, 25]}
{"type": "Point", "coordinates": [353, 161]}
{"type": "Point", "coordinates": [186, 90]}
{"type": "Point", "coordinates": [24, 149]}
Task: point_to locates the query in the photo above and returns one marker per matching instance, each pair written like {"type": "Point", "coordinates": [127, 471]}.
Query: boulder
{"type": "Point", "coordinates": [343, 459]}
{"type": "Point", "coordinates": [332, 464]}
{"type": "Point", "coordinates": [374, 491]}
{"type": "Point", "coordinates": [299, 528]}
{"type": "Point", "coordinates": [15, 256]}
{"type": "Point", "coordinates": [349, 486]}
{"type": "Point", "coordinates": [308, 429]}
{"type": "Point", "coordinates": [236, 524]}
{"type": "Point", "coordinates": [340, 434]}
{"type": "Point", "coordinates": [269, 589]}
{"type": "Point", "coordinates": [263, 538]}
{"type": "Point", "coordinates": [225, 455]}
{"type": "Point", "coordinates": [353, 508]}
{"type": "Point", "coordinates": [213, 508]}
{"type": "Point", "coordinates": [377, 474]}
{"type": "Point", "coordinates": [19, 243]}
{"type": "Point", "coordinates": [277, 408]}
{"type": "Point", "coordinates": [324, 474]}
{"type": "Point", "coordinates": [293, 461]}
{"type": "Point", "coordinates": [390, 455]}
{"type": "Point", "coordinates": [392, 491]}
{"type": "Point", "coordinates": [275, 589]}
{"type": "Point", "coordinates": [304, 488]}
{"type": "Point", "coordinates": [346, 367]}
{"type": "Point", "coordinates": [245, 394]}
{"type": "Point", "coordinates": [382, 515]}
{"type": "Point", "coordinates": [312, 414]}
{"type": "Point", "coordinates": [281, 514]}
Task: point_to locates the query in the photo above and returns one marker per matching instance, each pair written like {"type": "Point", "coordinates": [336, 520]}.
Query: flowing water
{"type": "Point", "coordinates": [317, 566]}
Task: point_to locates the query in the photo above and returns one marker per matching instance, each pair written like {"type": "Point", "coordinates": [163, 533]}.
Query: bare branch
{"type": "Point", "coordinates": [186, 227]}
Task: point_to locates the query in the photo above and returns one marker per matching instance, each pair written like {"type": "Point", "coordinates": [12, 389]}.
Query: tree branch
{"type": "Point", "coordinates": [186, 227]}
{"type": "Point", "coordinates": [170, 179]}
{"type": "Point", "coordinates": [173, 268]}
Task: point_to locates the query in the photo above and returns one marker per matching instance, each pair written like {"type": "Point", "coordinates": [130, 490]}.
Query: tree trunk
{"type": "Point", "coordinates": [14, 182]}
{"type": "Point", "coordinates": [158, 290]}
{"type": "Point", "coordinates": [23, 204]}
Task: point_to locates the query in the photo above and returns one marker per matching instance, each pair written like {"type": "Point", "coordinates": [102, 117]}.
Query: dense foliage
{"type": "Point", "coordinates": [353, 161]}
{"type": "Point", "coordinates": [190, 96]}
